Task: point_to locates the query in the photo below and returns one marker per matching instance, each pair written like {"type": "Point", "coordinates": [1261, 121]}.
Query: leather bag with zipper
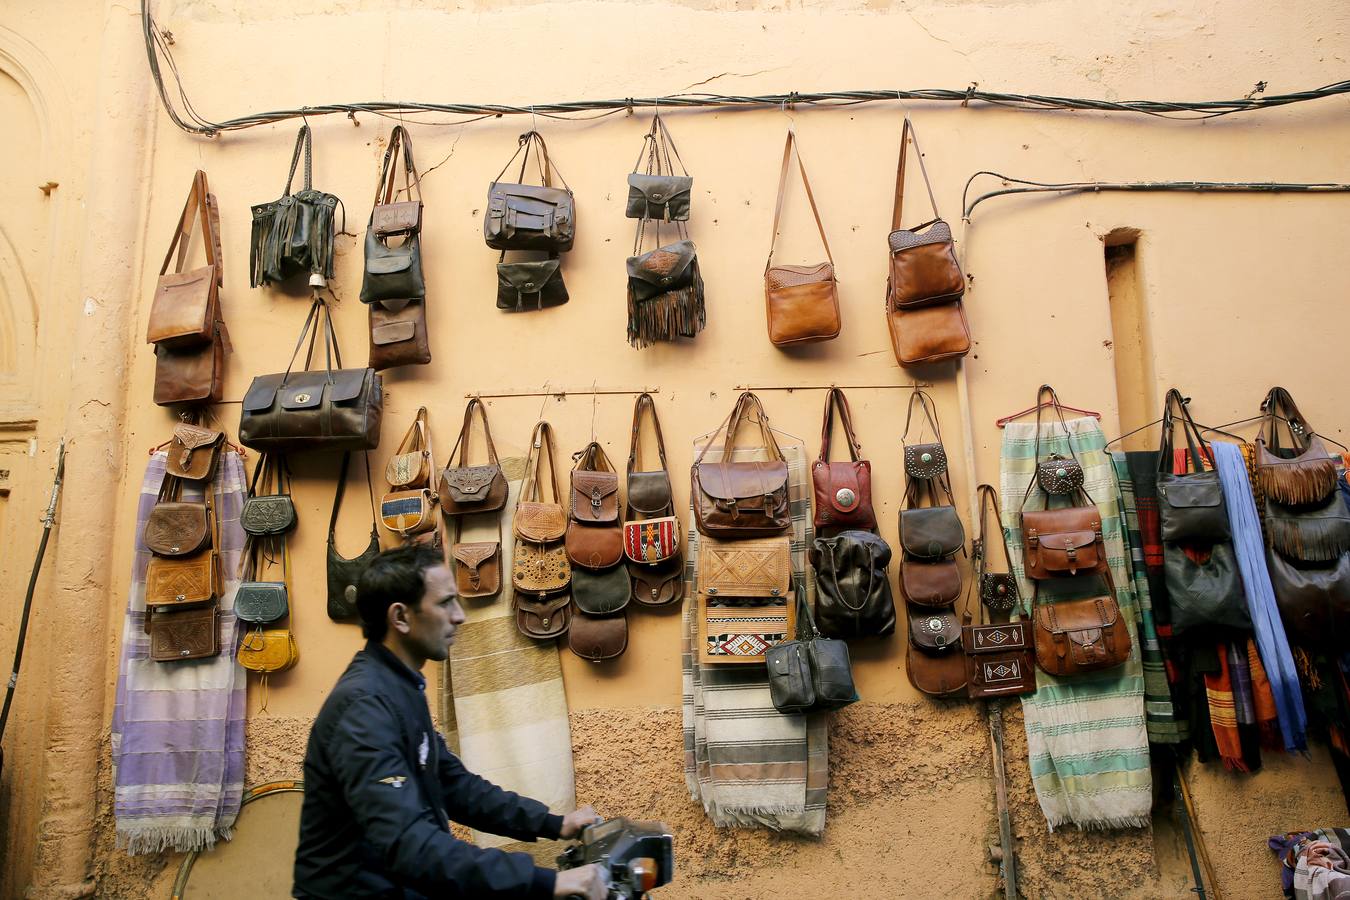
{"type": "Point", "coordinates": [801, 302]}
{"type": "Point", "coordinates": [811, 673]}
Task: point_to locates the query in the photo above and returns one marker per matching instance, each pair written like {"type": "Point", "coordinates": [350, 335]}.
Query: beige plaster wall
{"type": "Point", "coordinates": [1241, 293]}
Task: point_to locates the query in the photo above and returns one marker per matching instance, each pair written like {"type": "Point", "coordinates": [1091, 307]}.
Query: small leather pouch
{"type": "Point", "coordinates": [523, 286]}
{"type": "Point", "coordinates": [652, 541]}
{"type": "Point", "coordinates": [261, 602]}
{"type": "Point", "coordinates": [1059, 475]}
{"type": "Point", "coordinates": [403, 217]}
{"type": "Point", "coordinates": [801, 302]}
{"type": "Point", "coordinates": [478, 568]}
{"type": "Point", "coordinates": [398, 337]}
{"type": "Point", "coordinates": [811, 673]}
{"type": "Point", "coordinates": [739, 630]}
{"type": "Point", "coordinates": [268, 650]}
{"type": "Point", "coordinates": [194, 452]}
{"type": "Point", "coordinates": [1000, 660]}
{"type": "Point", "coordinates": [179, 634]}
{"type": "Point", "coordinates": [177, 529]}
{"type": "Point", "coordinates": [594, 547]}
{"type": "Point", "coordinates": [542, 617]}
{"type": "Point", "coordinates": [182, 580]}
{"type": "Point", "coordinates": [601, 593]}
{"type": "Point", "coordinates": [925, 460]}
{"type": "Point", "coordinates": [597, 638]}
{"type": "Point", "coordinates": [930, 584]}
{"type": "Point", "coordinates": [934, 630]}
{"type": "Point", "coordinates": [1077, 636]}
{"type": "Point", "coordinates": [931, 533]}
{"type": "Point", "coordinates": [998, 591]}
{"type": "Point", "coordinates": [409, 512]}
{"type": "Point", "coordinates": [745, 568]}
{"type": "Point", "coordinates": [268, 510]}
{"type": "Point", "coordinates": [1065, 541]}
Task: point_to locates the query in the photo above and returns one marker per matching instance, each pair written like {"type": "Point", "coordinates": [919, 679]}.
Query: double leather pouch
{"type": "Point", "coordinates": [741, 499]}
{"type": "Point", "coordinates": [530, 217]}
{"type": "Point", "coordinates": [928, 334]}
{"type": "Point", "coordinates": [745, 568]}
{"type": "Point", "coordinates": [191, 376]}
{"type": "Point", "coordinates": [810, 674]}
{"type": "Point", "coordinates": [530, 285]}
{"type": "Point", "coordinates": [194, 452]}
{"type": "Point", "coordinates": [399, 337]}
{"type": "Point", "coordinates": [843, 490]}
{"type": "Point", "coordinates": [658, 193]}
{"type": "Point", "coordinates": [186, 304]}
{"type": "Point", "coordinates": [268, 510]}
{"type": "Point", "coordinates": [473, 489]}
{"type": "Point", "coordinates": [294, 234]}
{"type": "Point", "coordinates": [393, 271]}
{"type": "Point", "coordinates": [1000, 660]}
{"type": "Point", "coordinates": [853, 592]}
{"type": "Point", "coordinates": [343, 573]}
{"type": "Point", "coordinates": [801, 302]}
{"type": "Point", "coordinates": [179, 634]}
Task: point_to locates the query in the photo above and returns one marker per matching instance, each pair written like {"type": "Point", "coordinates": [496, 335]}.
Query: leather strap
{"type": "Point", "coordinates": [466, 430]}
{"type": "Point", "coordinates": [302, 139]}
{"type": "Point", "coordinates": [320, 309]}
{"type": "Point", "coordinates": [834, 397]}
{"type": "Point", "coordinates": [197, 206]}
{"type": "Point", "coordinates": [907, 134]}
{"type": "Point", "coordinates": [788, 147]}
{"type": "Point", "coordinates": [593, 458]}
{"type": "Point", "coordinates": [541, 442]}
{"type": "Point", "coordinates": [384, 191]}
{"type": "Point", "coordinates": [657, 146]}
{"type": "Point", "coordinates": [1279, 402]}
{"type": "Point", "coordinates": [645, 401]}
{"type": "Point", "coordinates": [271, 468]}
{"type": "Point", "coordinates": [546, 168]}
{"type": "Point", "coordinates": [342, 487]}
{"type": "Point", "coordinates": [733, 422]}
{"type": "Point", "coordinates": [929, 411]}
{"type": "Point", "coordinates": [1195, 442]}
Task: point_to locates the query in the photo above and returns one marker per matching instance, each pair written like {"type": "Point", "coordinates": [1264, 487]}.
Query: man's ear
{"type": "Point", "coordinates": [397, 618]}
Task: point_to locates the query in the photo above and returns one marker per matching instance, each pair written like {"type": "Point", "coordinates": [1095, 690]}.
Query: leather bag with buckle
{"type": "Point", "coordinates": [1078, 636]}
{"type": "Point", "coordinates": [843, 490]}
{"type": "Point", "coordinates": [1190, 506]}
{"type": "Point", "coordinates": [268, 510]}
{"type": "Point", "coordinates": [344, 573]}
{"type": "Point", "coordinates": [473, 489]}
{"type": "Point", "coordinates": [179, 634]}
{"type": "Point", "coordinates": [398, 336]}
{"type": "Point", "coordinates": [294, 235]}
{"type": "Point", "coordinates": [393, 271]}
{"type": "Point", "coordinates": [177, 528]}
{"type": "Point", "coordinates": [853, 591]}
{"type": "Point", "coordinates": [194, 452]}
{"type": "Point", "coordinates": [801, 302]}
{"type": "Point", "coordinates": [530, 284]}
{"type": "Point", "coordinates": [186, 304]}
{"type": "Point", "coordinates": [477, 564]}
{"type": "Point", "coordinates": [741, 499]}
{"type": "Point", "coordinates": [658, 193]}
{"type": "Point", "coordinates": [526, 216]}
{"type": "Point", "coordinates": [811, 673]}
{"type": "Point", "coordinates": [595, 488]}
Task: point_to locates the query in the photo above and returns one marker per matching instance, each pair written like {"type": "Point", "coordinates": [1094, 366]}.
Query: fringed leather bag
{"type": "Point", "coordinates": [294, 234]}
{"type": "Point", "coordinates": [665, 290]}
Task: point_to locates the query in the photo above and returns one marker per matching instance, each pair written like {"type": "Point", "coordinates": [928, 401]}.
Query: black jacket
{"type": "Point", "coordinates": [380, 790]}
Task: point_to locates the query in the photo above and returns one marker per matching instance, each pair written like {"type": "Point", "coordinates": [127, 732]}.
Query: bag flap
{"type": "Point", "coordinates": [474, 553]}
{"type": "Point", "coordinates": [840, 479]}
{"type": "Point", "coordinates": [266, 515]}
{"type": "Point", "coordinates": [539, 522]}
{"type": "Point", "coordinates": [1191, 491]}
{"type": "Point", "coordinates": [469, 482]}
{"type": "Point", "coordinates": [649, 493]}
{"type": "Point", "coordinates": [933, 628]}
{"type": "Point", "coordinates": [191, 437]}
{"type": "Point", "coordinates": [651, 540]}
{"type": "Point", "coordinates": [925, 460]}
{"type": "Point", "coordinates": [740, 480]}
{"type": "Point", "coordinates": [526, 195]}
{"type": "Point", "coordinates": [262, 393]}
{"type": "Point", "coordinates": [601, 593]}
{"type": "Point", "coordinates": [934, 232]}
{"type": "Point", "coordinates": [590, 490]}
{"type": "Point", "coordinates": [1067, 540]}
{"type": "Point", "coordinates": [260, 602]}
{"type": "Point", "coordinates": [997, 638]}
{"type": "Point", "coordinates": [744, 568]}
{"type": "Point", "coordinates": [393, 333]}
{"type": "Point", "coordinates": [395, 218]}
{"type": "Point", "coordinates": [1068, 519]}
{"type": "Point", "coordinates": [664, 265]}
{"type": "Point", "coordinates": [527, 277]}
{"type": "Point", "coordinates": [1066, 616]}
{"type": "Point", "coordinates": [930, 583]}
{"type": "Point", "coordinates": [931, 532]}
{"type": "Point", "coordinates": [190, 579]}
{"type": "Point", "coordinates": [592, 547]}
{"type": "Point", "coordinates": [658, 190]}
{"type": "Point", "coordinates": [348, 383]}
{"type": "Point", "coordinates": [176, 528]}
{"type": "Point", "coordinates": [388, 265]}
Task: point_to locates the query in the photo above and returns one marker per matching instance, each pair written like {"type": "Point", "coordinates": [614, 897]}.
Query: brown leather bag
{"type": "Point", "coordinates": [649, 492]}
{"type": "Point", "coordinates": [1303, 474]}
{"type": "Point", "coordinates": [998, 590]}
{"type": "Point", "coordinates": [412, 464]}
{"type": "Point", "coordinates": [1077, 636]}
{"type": "Point", "coordinates": [186, 305]}
{"type": "Point", "coordinates": [193, 376]}
{"type": "Point", "coordinates": [477, 564]}
{"type": "Point", "coordinates": [595, 488]}
{"type": "Point", "coordinates": [843, 490]}
{"type": "Point", "coordinates": [745, 568]}
{"type": "Point", "coordinates": [1000, 660]}
{"type": "Point", "coordinates": [597, 638]}
{"type": "Point", "coordinates": [175, 527]}
{"type": "Point", "coordinates": [801, 302]}
{"type": "Point", "coordinates": [191, 580]}
{"type": "Point", "coordinates": [540, 568]}
{"type": "Point", "coordinates": [542, 618]}
{"type": "Point", "coordinates": [398, 336]}
{"type": "Point", "coordinates": [194, 452]}
{"type": "Point", "coordinates": [594, 547]}
{"type": "Point", "coordinates": [924, 286]}
{"type": "Point", "coordinates": [473, 489]}
{"type": "Point", "coordinates": [178, 634]}
{"type": "Point", "coordinates": [930, 584]}
{"type": "Point", "coordinates": [655, 575]}
{"type": "Point", "coordinates": [741, 499]}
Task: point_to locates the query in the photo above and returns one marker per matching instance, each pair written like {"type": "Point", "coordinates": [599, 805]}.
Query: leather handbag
{"type": "Point", "coordinates": [934, 630]}
{"type": "Point", "coordinates": [665, 290]}
{"type": "Point", "coordinates": [1000, 660]}
{"type": "Point", "coordinates": [658, 193]}
{"type": "Point", "coordinates": [194, 452]}
{"type": "Point", "coordinates": [1315, 533]}
{"type": "Point", "coordinates": [344, 573]}
{"type": "Point", "coordinates": [186, 305]}
{"type": "Point", "coordinates": [179, 634]}
{"type": "Point", "coordinates": [183, 580]}
{"type": "Point", "coordinates": [407, 513]}
{"type": "Point", "coordinates": [268, 510]}
{"type": "Point", "coordinates": [843, 490]}
{"type": "Point", "coordinates": [268, 650]}
{"type": "Point", "coordinates": [1204, 593]}
{"type": "Point", "coordinates": [540, 566]}
{"type": "Point", "coordinates": [294, 235]}
{"type": "Point", "coordinates": [931, 533]}
{"type": "Point", "coordinates": [595, 488]}
{"type": "Point", "coordinates": [393, 271]}
{"type": "Point", "coordinates": [598, 638]}
{"type": "Point", "coordinates": [737, 630]}
{"type": "Point", "coordinates": [1303, 474]}
{"type": "Point", "coordinates": [1063, 542]}
{"type": "Point", "coordinates": [652, 537]}
{"type": "Point", "coordinates": [1059, 475]}
{"type": "Point", "coordinates": [175, 527]}
{"type": "Point", "coordinates": [924, 460]}
{"type": "Point", "coordinates": [530, 217]}
{"type": "Point", "coordinates": [263, 602]}
{"type": "Point", "coordinates": [741, 499]}
{"type": "Point", "coordinates": [1191, 506]}
{"type": "Point", "coordinates": [477, 564]}
{"type": "Point", "coordinates": [1078, 636]}
{"type": "Point", "coordinates": [530, 285]}
{"type": "Point", "coordinates": [592, 546]}
{"type": "Point", "coordinates": [800, 302]}
{"type": "Point", "coordinates": [935, 663]}
{"type": "Point", "coordinates": [924, 284]}
{"type": "Point", "coordinates": [998, 590]}
{"type": "Point", "coordinates": [320, 410]}
{"type": "Point", "coordinates": [601, 593]}
{"type": "Point", "coordinates": [412, 465]}
{"type": "Point", "coordinates": [811, 673]}
{"type": "Point", "coordinates": [1313, 599]}
{"type": "Point", "coordinates": [649, 492]}
{"type": "Point", "coordinates": [930, 584]}
{"type": "Point", "coordinates": [745, 568]}
{"type": "Point", "coordinates": [542, 617]}
{"type": "Point", "coordinates": [473, 489]}
{"type": "Point", "coordinates": [194, 376]}
{"type": "Point", "coordinates": [398, 337]}
{"type": "Point", "coordinates": [853, 591]}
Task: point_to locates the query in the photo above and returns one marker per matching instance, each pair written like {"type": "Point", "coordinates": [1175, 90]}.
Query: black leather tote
{"type": "Point", "coordinates": [853, 592]}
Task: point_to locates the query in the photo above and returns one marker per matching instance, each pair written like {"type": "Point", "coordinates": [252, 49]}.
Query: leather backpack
{"type": "Point", "coordinates": [741, 499]}
{"type": "Point", "coordinates": [652, 540]}
{"type": "Point", "coordinates": [843, 490]}
{"type": "Point", "coordinates": [800, 302]}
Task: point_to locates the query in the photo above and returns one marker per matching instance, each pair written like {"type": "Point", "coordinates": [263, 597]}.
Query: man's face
{"type": "Point", "coordinates": [432, 624]}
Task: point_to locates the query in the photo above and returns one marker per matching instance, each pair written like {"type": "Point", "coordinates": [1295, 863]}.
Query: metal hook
{"type": "Point", "coordinates": [792, 120]}
{"type": "Point", "coordinates": [534, 122]}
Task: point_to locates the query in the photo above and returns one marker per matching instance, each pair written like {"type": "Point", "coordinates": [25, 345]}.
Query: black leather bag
{"type": "Point", "coordinates": [523, 286]}
{"type": "Point", "coordinates": [294, 234]}
{"type": "Point", "coordinates": [319, 410]}
{"type": "Point", "coordinates": [658, 193]}
{"type": "Point", "coordinates": [812, 673]}
{"type": "Point", "coordinates": [1205, 594]}
{"type": "Point", "coordinates": [527, 216]}
{"type": "Point", "coordinates": [272, 511]}
{"type": "Point", "coordinates": [853, 591]}
{"type": "Point", "coordinates": [393, 271]}
{"type": "Point", "coordinates": [344, 573]}
{"type": "Point", "coordinates": [1190, 506]}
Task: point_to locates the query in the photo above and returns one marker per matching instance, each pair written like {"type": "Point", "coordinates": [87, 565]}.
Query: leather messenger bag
{"type": "Point", "coordinates": [741, 499]}
{"type": "Point", "coordinates": [801, 302]}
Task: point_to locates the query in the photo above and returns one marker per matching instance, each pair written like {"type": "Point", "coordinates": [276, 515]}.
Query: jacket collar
{"type": "Point", "coordinates": [382, 654]}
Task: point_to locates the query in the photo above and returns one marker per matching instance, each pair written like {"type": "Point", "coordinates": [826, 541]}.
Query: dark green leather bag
{"type": "Point", "coordinates": [530, 285]}
{"type": "Point", "coordinates": [294, 234]}
{"type": "Point", "coordinates": [601, 593]}
{"type": "Point", "coordinates": [394, 270]}
{"type": "Point", "coordinates": [1205, 594]}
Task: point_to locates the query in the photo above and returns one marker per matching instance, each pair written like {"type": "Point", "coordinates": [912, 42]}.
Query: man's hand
{"type": "Point", "coordinates": [584, 882]}
{"type": "Point", "coordinates": [573, 822]}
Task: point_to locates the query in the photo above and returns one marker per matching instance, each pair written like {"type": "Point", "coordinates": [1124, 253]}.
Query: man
{"type": "Point", "coordinates": [380, 785]}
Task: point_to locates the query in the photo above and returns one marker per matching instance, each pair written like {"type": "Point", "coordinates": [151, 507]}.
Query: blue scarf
{"type": "Point", "coordinates": [1251, 556]}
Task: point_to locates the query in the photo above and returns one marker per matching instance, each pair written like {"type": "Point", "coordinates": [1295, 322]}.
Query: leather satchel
{"type": "Point", "coordinates": [182, 580]}
{"type": "Point", "coordinates": [595, 488]}
{"type": "Point", "coordinates": [321, 410]}
{"type": "Point", "coordinates": [344, 573]}
{"type": "Point", "coordinates": [540, 566]}
{"type": "Point", "coordinates": [665, 291]}
{"type": "Point", "coordinates": [1063, 542]}
{"type": "Point", "coordinates": [800, 302]}
{"type": "Point", "coordinates": [658, 193]}
{"type": "Point", "coordinates": [407, 513]}
{"type": "Point", "coordinates": [1078, 636]}
{"type": "Point", "coordinates": [473, 489]}
{"type": "Point", "coordinates": [530, 217]}
{"type": "Point", "coordinates": [186, 305]}
{"type": "Point", "coordinates": [853, 592]}
{"type": "Point", "coordinates": [412, 464]}
{"type": "Point", "coordinates": [1303, 474]}
{"type": "Point", "coordinates": [601, 593]}
{"type": "Point", "coordinates": [1000, 660]}
{"type": "Point", "coordinates": [398, 337]}
{"type": "Point", "coordinates": [194, 452]}
{"type": "Point", "coordinates": [268, 510]}
{"type": "Point", "coordinates": [745, 568]}
{"type": "Point", "coordinates": [598, 638]}
{"type": "Point", "coordinates": [179, 634]}
{"type": "Point", "coordinates": [812, 673]}
{"type": "Point", "coordinates": [194, 376]}
{"type": "Point", "coordinates": [843, 490]}
{"type": "Point", "coordinates": [477, 565]}
{"type": "Point", "coordinates": [394, 271]}
{"type": "Point", "coordinates": [544, 617]}
{"type": "Point", "coordinates": [530, 285]}
{"type": "Point", "coordinates": [175, 527]}
{"type": "Point", "coordinates": [268, 650]}
{"type": "Point", "coordinates": [930, 584]}
{"type": "Point", "coordinates": [294, 235]}
{"type": "Point", "coordinates": [1190, 506]}
{"type": "Point", "coordinates": [741, 499]}
{"type": "Point", "coordinates": [593, 547]}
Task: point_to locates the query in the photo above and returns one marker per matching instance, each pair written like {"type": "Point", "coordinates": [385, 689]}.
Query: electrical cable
{"type": "Point", "coordinates": [189, 120]}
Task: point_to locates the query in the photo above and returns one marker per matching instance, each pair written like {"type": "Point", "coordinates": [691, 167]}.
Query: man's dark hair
{"type": "Point", "coordinates": [395, 576]}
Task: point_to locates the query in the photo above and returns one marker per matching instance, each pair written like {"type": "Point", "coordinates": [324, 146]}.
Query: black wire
{"type": "Point", "coordinates": [156, 45]}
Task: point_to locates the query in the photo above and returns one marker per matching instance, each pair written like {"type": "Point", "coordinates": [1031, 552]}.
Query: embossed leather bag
{"type": "Point", "coordinates": [398, 337]}
{"type": "Point", "coordinates": [741, 499]}
{"type": "Point", "coordinates": [843, 490]}
{"type": "Point", "coordinates": [1077, 636]}
{"type": "Point", "coordinates": [320, 410]}
{"type": "Point", "coordinates": [186, 305]}
{"type": "Point", "coordinates": [998, 590]}
{"type": "Point", "coordinates": [194, 452]}
{"type": "Point", "coordinates": [853, 592]}
{"type": "Point", "coordinates": [183, 581]}
{"type": "Point", "coordinates": [473, 489]}
{"type": "Point", "coordinates": [344, 573]}
{"type": "Point", "coordinates": [175, 527]}
{"type": "Point", "coordinates": [268, 510]}
{"type": "Point", "coordinates": [745, 568]}
{"type": "Point", "coordinates": [665, 290]}
{"type": "Point", "coordinates": [263, 602]}
{"type": "Point", "coordinates": [477, 564]}
{"type": "Point", "coordinates": [179, 634]}
{"type": "Point", "coordinates": [800, 302]}
{"type": "Point", "coordinates": [530, 217]}
{"type": "Point", "coordinates": [595, 488]}
{"type": "Point", "coordinates": [530, 285]}
{"type": "Point", "coordinates": [1190, 506]}
{"type": "Point", "coordinates": [658, 193]}
{"type": "Point", "coordinates": [294, 234]}
{"type": "Point", "coordinates": [1000, 659]}
{"type": "Point", "coordinates": [393, 271]}
{"type": "Point", "coordinates": [540, 566]}
{"type": "Point", "coordinates": [268, 650]}
{"type": "Point", "coordinates": [811, 673]}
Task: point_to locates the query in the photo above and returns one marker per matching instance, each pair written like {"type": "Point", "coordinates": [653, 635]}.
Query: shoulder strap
{"type": "Point", "coordinates": [835, 396]}
{"type": "Point", "coordinates": [732, 423]}
{"type": "Point", "coordinates": [788, 147]}
{"type": "Point", "coordinates": [1195, 441]}
{"type": "Point", "coordinates": [593, 459]}
{"type": "Point", "coordinates": [906, 134]}
{"type": "Point", "coordinates": [929, 411]}
{"type": "Point", "coordinates": [989, 500]}
{"type": "Point", "coordinates": [302, 139]}
{"type": "Point", "coordinates": [541, 444]}
{"type": "Point", "coordinates": [645, 401]}
{"type": "Point", "coordinates": [384, 191]}
{"type": "Point", "coordinates": [1280, 403]}
{"type": "Point", "coordinates": [341, 489]}
{"type": "Point", "coordinates": [196, 207]}
{"type": "Point", "coordinates": [466, 431]}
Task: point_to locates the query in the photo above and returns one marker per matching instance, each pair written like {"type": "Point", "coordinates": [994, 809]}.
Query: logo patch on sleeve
{"type": "Point", "coordinates": [394, 780]}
